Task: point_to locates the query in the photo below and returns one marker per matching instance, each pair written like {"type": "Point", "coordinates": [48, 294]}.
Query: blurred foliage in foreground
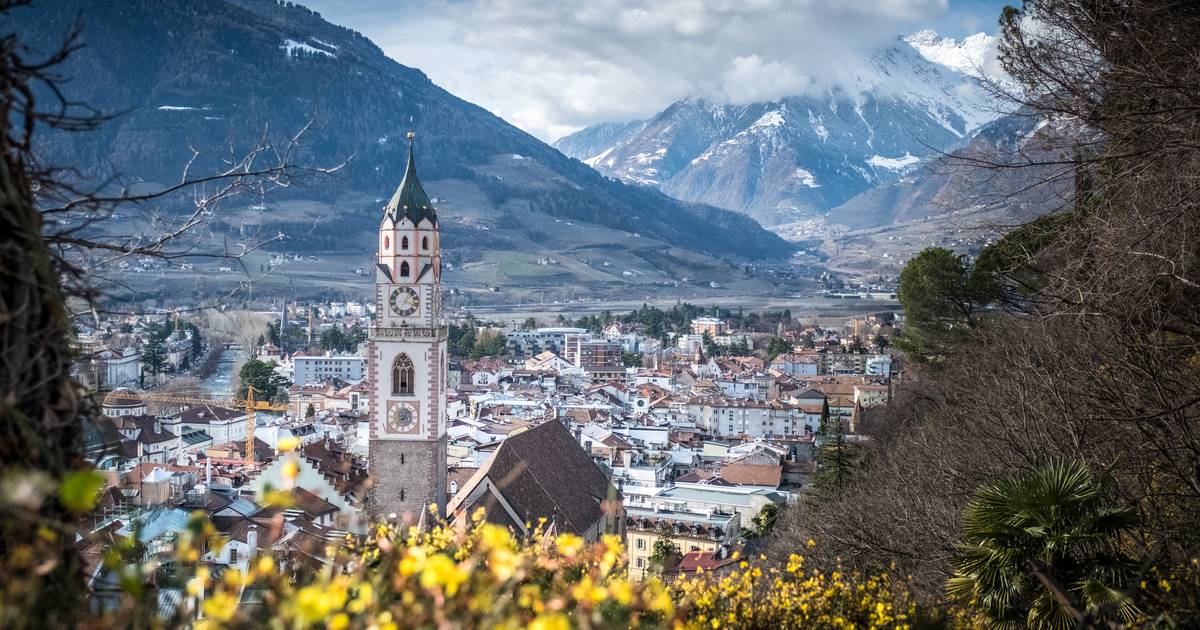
{"type": "Point", "coordinates": [470, 575]}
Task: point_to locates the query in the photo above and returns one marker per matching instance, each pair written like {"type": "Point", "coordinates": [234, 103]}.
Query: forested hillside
{"type": "Point", "coordinates": [213, 77]}
{"type": "Point", "coordinates": [1041, 462]}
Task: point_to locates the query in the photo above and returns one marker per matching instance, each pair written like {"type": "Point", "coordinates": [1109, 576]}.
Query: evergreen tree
{"type": "Point", "coordinates": [944, 297]}
{"type": "Point", "coordinates": [776, 347]}
{"type": "Point", "coordinates": [154, 356]}
{"type": "Point", "coordinates": [488, 343]}
{"type": "Point", "coordinates": [267, 383]}
{"type": "Point", "coordinates": [197, 340]}
{"type": "Point", "coordinates": [838, 462]}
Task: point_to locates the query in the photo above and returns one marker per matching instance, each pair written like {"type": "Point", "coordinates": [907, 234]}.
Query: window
{"type": "Point", "coordinates": [641, 562]}
{"type": "Point", "coordinates": [387, 242]}
{"type": "Point", "coordinates": [424, 243]}
{"type": "Point", "coordinates": [404, 269]}
{"type": "Point", "coordinates": [404, 242]}
{"type": "Point", "coordinates": [402, 375]}
{"type": "Point", "coordinates": [641, 543]}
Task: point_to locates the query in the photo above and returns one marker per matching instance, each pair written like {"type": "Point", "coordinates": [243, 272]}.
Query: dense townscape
{"type": "Point", "coordinates": [704, 440]}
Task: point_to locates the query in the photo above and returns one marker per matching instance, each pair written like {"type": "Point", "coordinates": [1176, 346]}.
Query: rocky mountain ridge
{"type": "Point", "coordinates": [800, 156]}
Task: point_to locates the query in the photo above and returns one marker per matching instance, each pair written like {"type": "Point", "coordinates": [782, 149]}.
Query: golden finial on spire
{"type": "Point", "coordinates": [410, 135]}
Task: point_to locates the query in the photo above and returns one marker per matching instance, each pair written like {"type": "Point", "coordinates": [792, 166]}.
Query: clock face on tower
{"type": "Point", "coordinates": [401, 417]}
{"type": "Point", "coordinates": [405, 301]}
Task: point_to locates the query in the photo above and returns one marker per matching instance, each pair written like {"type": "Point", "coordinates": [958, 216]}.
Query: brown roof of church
{"type": "Point", "coordinates": [543, 473]}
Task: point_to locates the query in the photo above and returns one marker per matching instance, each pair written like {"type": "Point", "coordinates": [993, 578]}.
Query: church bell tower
{"type": "Point", "coordinates": [406, 366]}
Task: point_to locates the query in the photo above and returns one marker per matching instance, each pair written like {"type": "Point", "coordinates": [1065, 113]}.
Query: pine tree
{"type": "Point", "coordinates": [154, 356]}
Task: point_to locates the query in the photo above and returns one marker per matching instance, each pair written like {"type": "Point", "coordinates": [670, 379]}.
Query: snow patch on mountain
{"type": "Point", "coordinates": [806, 178]}
{"type": "Point", "coordinates": [818, 124]}
{"type": "Point", "coordinates": [291, 47]}
{"type": "Point", "coordinates": [893, 164]}
{"type": "Point", "coordinates": [599, 157]}
{"type": "Point", "coordinates": [768, 120]}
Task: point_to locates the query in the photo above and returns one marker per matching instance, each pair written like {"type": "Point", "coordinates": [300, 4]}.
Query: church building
{"type": "Point", "coordinates": [407, 359]}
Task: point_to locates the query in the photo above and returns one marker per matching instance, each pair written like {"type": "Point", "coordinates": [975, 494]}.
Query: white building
{"type": "Point", "coordinates": [723, 416]}
{"type": "Point", "coordinates": [532, 342]}
{"type": "Point", "coordinates": [117, 367]}
{"type": "Point", "coordinates": [313, 370]}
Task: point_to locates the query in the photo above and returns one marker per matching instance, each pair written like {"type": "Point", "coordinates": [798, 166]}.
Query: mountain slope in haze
{"type": "Point", "coordinates": [798, 156]}
{"type": "Point", "coordinates": [217, 73]}
{"type": "Point", "coordinates": [596, 138]}
{"type": "Point", "coordinates": [961, 184]}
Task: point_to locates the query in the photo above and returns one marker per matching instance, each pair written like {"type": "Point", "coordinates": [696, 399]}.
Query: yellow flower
{"type": "Point", "coordinates": [494, 536]}
{"type": "Point", "coordinates": [622, 591]}
{"type": "Point", "coordinates": [221, 606]}
{"type": "Point", "coordinates": [310, 604]}
{"type": "Point", "coordinates": [587, 592]}
{"type": "Point", "coordinates": [503, 564]}
{"type": "Point", "coordinates": [440, 570]}
{"type": "Point", "coordinates": [287, 444]}
{"type": "Point", "coordinates": [291, 470]}
{"type": "Point", "coordinates": [569, 545]}
{"type": "Point", "coordinates": [551, 621]}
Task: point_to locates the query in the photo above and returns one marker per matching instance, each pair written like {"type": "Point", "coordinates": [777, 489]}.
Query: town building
{"type": "Point", "coordinates": [314, 370]}
{"type": "Point", "coordinates": [117, 367]}
{"type": "Point", "coordinates": [689, 531]}
{"type": "Point", "coordinates": [711, 326]}
{"type": "Point", "coordinates": [528, 343]}
{"type": "Point", "coordinates": [541, 475]}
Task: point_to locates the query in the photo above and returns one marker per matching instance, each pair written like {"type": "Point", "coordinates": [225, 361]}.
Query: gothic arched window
{"type": "Point", "coordinates": [402, 375]}
{"type": "Point", "coordinates": [404, 269]}
{"type": "Point", "coordinates": [403, 242]}
{"type": "Point", "coordinates": [387, 242]}
{"type": "Point", "coordinates": [424, 243]}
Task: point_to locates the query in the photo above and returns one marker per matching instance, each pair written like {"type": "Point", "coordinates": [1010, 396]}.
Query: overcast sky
{"type": "Point", "coordinates": [554, 66]}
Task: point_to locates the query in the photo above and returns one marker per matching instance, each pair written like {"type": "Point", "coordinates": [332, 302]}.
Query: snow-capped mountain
{"type": "Point", "coordinates": [974, 56]}
{"type": "Point", "coordinates": [801, 155]}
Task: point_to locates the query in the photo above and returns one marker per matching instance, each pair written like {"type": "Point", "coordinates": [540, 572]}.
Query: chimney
{"type": "Point", "coordinates": [157, 426]}
{"type": "Point", "coordinates": [627, 458]}
{"type": "Point", "coordinates": [252, 540]}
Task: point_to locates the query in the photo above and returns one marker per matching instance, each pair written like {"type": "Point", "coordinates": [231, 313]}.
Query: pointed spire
{"type": "Point", "coordinates": [410, 200]}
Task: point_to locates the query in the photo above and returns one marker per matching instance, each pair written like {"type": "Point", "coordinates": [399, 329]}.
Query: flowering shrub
{"type": "Point", "coordinates": [790, 597]}
{"type": "Point", "coordinates": [471, 574]}
{"type": "Point", "coordinates": [478, 575]}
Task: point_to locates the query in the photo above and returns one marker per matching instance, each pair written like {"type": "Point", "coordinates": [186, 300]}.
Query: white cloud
{"type": "Point", "coordinates": [551, 67]}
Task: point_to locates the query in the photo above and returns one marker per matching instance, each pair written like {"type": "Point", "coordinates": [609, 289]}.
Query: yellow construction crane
{"type": "Point", "coordinates": [249, 404]}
